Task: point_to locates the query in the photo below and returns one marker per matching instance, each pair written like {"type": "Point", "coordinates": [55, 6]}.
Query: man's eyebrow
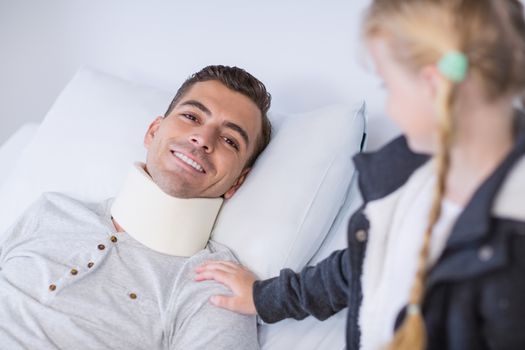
{"type": "Point", "coordinates": [240, 130]}
{"type": "Point", "coordinates": [198, 105]}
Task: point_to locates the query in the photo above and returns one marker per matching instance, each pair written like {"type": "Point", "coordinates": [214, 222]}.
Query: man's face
{"type": "Point", "coordinates": [201, 148]}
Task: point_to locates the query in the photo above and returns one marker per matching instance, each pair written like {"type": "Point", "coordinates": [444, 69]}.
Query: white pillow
{"type": "Point", "coordinates": [283, 212]}
{"type": "Point", "coordinates": [86, 143]}
{"type": "Point", "coordinates": [94, 131]}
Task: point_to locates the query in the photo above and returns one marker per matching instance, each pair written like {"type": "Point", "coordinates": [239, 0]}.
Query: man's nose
{"type": "Point", "coordinates": [204, 139]}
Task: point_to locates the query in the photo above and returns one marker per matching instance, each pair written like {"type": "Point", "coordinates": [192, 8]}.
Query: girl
{"type": "Point", "coordinates": [435, 257]}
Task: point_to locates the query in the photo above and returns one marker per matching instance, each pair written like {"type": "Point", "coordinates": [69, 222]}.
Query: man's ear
{"type": "Point", "coordinates": [237, 184]}
{"type": "Point", "coordinates": [152, 129]}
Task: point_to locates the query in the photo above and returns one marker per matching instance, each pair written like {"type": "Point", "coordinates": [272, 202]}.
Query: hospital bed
{"type": "Point", "coordinates": [293, 209]}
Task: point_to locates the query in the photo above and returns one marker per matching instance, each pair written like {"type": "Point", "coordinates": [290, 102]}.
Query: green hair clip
{"type": "Point", "coordinates": [454, 66]}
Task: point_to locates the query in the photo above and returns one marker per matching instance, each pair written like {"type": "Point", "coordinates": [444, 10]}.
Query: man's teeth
{"type": "Point", "coordinates": [189, 161]}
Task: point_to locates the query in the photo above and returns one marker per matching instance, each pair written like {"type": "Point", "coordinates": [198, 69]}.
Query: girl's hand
{"type": "Point", "coordinates": [236, 277]}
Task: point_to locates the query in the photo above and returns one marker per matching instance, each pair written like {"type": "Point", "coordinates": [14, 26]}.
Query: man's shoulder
{"type": "Point", "coordinates": [213, 251]}
{"type": "Point", "coordinates": [65, 207]}
{"type": "Point", "coordinates": [50, 215]}
{"type": "Point", "coordinates": [47, 202]}
{"type": "Point", "coordinates": [59, 199]}
{"type": "Point", "coordinates": [191, 307]}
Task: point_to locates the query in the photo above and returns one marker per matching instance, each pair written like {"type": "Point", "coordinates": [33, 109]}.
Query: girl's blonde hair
{"type": "Point", "coordinates": [491, 34]}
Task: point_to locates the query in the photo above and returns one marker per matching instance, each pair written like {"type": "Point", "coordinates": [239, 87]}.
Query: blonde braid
{"type": "Point", "coordinates": [412, 334]}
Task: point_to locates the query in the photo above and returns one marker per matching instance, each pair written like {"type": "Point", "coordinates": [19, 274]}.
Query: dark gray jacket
{"type": "Point", "coordinates": [475, 294]}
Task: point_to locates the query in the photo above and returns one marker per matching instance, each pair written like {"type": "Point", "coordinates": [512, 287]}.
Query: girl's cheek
{"type": "Point", "coordinates": [393, 112]}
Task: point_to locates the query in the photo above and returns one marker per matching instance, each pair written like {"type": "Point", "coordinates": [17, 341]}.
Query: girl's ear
{"type": "Point", "coordinates": [431, 79]}
{"type": "Point", "coordinates": [152, 129]}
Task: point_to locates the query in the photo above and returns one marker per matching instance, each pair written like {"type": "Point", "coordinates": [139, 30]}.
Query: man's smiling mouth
{"type": "Point", "coordinates": [189, 161]}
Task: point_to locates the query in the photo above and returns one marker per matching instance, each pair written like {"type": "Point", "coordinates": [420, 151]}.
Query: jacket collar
{"type": "Point", "coordinates": [474, 221]}
{"type": "Point", "coordinates": [384, 171]}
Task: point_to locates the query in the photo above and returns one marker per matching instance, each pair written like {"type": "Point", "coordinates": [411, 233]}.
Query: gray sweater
{"type": "Point", "coordinates": [68, 280]}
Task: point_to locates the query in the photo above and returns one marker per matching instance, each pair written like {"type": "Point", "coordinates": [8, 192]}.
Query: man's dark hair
{"type": "Point", "coordinates": [241, 81]}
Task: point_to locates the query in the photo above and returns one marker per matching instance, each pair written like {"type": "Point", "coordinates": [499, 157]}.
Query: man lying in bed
{"type": "Point", "coordinates": [106, 276]}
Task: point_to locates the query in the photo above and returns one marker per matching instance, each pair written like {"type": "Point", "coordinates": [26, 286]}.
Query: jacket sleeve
{"type": "Point", "coordinates": [319, 290]}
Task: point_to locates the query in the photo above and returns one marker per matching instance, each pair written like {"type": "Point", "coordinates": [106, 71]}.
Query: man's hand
{"type": "Point", "coordinates": [238, 278]}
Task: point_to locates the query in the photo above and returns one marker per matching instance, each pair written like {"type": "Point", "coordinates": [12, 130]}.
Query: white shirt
{"type": "Point", "coordinates": [68, 280]}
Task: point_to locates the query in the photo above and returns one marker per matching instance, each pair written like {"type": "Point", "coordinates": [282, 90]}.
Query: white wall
{"type": "Point", "coordinates": [307, 52]}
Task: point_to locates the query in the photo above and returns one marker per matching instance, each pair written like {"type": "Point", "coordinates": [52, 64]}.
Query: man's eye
{"type": "Point", "coordinates": [190, 117]}
{"type": "Point", "coordinates": [231, 143]}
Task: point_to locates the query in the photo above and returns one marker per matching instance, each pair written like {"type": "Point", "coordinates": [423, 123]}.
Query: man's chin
{"type": "Point", "coordinates": [178, 191]}
{"type": "Point", "coordinates": [173, 186]}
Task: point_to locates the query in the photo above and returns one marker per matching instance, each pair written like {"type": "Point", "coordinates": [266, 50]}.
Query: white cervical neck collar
{"type": "Point", "coordinates": [166, 224]}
